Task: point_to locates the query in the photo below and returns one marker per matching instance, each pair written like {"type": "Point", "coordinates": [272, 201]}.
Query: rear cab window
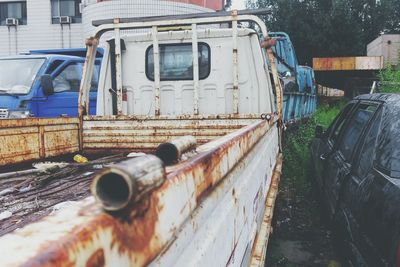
{"type": "Point", "coordinates": [176, 61]}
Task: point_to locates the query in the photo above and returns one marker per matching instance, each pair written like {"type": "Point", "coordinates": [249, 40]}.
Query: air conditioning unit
{"type": "Point", "coordinates": [11, 21]}
{"type": "Point", "coordinates": [65, 20]}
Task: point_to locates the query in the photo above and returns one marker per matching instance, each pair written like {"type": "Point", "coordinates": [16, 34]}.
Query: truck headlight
{"type": "Point", "coordinates": [18, 114]}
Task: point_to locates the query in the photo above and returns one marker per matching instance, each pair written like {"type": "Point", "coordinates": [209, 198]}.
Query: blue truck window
{"type": "Point", "coordinates": [68, 79]}
{"type": "Point", "coordinates": [176, 62]}
{"type": "Point", "coordinates": [17, 75]}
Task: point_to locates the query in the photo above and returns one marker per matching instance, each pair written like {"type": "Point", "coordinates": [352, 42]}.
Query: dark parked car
{"type": "Point", "coordinates": [357, 173]}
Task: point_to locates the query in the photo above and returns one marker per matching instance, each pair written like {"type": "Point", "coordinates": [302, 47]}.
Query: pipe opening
{"type": "Point", "coordinates": [168, 153]}
{"type": "Point", "coordinates": [113, 191]}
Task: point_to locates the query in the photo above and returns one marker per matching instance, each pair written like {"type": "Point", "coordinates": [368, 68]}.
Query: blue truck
{"type": "Point", "coordinates": [44, 83]}
{"type": "Point", "coordinates": [298, 82]}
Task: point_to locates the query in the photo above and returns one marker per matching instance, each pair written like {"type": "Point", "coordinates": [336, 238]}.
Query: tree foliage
{"type": "Point", "coordinates": [326, 28]}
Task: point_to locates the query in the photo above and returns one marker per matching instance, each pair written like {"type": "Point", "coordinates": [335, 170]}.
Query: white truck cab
{"type": "Point", "coordinates": [179, 93]}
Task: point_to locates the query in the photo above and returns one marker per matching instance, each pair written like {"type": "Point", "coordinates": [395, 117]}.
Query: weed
{"type": "Point", "coordinates": [297, 215]}
{"type": "Point", "coordinates": [389, 80]}
{"type": "Point", "coordinates": [296, 150]}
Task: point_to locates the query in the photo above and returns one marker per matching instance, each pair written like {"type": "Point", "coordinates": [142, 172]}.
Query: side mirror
{"type": "Point", "coordinates": [47, 84]}
{"type": "Point", "coordinates": [319, 131]}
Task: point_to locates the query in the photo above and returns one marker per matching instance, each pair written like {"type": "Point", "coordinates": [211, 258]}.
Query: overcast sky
{"type": "Point", "coordinates": [238, 4]}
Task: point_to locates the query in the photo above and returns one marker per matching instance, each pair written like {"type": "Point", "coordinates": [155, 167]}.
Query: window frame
{"type": "Point", "coordinates": [74, 63]}
{"type": "Point", "coordinates": [178, 44]}
{"type": "Point", "coordinates": [362, 134]}
{"type": "Point", "coordinates": [332, 127]}
{"type": "Point", "coordinates": [23, 20]}
{"type": "Point", "coordinates": [361, 144]}
{"type": "Point", "coordinates": [55, 19]}
{"type": "Point", "coordinates": [60, 68]}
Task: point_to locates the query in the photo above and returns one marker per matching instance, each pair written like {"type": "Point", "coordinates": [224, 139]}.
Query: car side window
{"type": "Point", "coordinates": [352, 132]}
{"type": "Point", "coordinates": [367, 152]}
{"type": "Point", "coordinates": [68, 79]}
{"type": "Point", "coordinates": [337, 125]}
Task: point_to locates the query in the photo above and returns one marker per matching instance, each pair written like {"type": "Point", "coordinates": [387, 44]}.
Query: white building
{"type": "Point", "coordinates": [388, 46]}
{"type": "Point", "coordinates": [51, 24]}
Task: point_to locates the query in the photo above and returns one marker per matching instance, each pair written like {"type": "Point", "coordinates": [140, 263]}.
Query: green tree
{"type": "Point", "coordinates": [320, 28]}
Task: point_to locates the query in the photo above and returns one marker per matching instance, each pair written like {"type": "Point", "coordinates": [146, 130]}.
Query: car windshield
{"type": "Point", "coordinates": [17, 75]}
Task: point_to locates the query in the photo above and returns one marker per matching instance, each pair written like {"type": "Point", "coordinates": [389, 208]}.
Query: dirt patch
{"type": "Point", "coordinates": [299, 236]}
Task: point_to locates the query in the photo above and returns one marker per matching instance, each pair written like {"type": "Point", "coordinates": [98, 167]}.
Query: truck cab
{"type": "Point", "coordinates": [41, 84]}
{"type": "Point", "coordinates": [286, 61]}
{"type": "Point", "coordinates": [299, 100]}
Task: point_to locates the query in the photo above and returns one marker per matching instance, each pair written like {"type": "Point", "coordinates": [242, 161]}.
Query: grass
{"type": "Point", "coordinates": [297, 141]}
{"type": "Point", "coordinates": [390, 80]}
{"type": "Point", "coordinates": [296, 215]}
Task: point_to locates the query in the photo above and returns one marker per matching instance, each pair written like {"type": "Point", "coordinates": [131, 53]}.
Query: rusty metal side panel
{"type": "Point", "coordinates": [334, 63]}
{"type": "Point", "coordinates": [222, 230]}
{"type": "Point", "coordinates": [31, 139]}
{"type": "Point", "coordinates": [84, 235]}
{"type": "Point", "coordinates": [347, 63]}
{"type": "Point", "coordinates": [261, 242]}
{"type": "Point", "coordinates": [147, 134]}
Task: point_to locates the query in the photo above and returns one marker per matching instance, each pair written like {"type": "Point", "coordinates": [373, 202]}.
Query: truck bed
{"type": "Point", "coordinates": [31, 196]}
{"type": "Point", "coordinates": [214, 198]}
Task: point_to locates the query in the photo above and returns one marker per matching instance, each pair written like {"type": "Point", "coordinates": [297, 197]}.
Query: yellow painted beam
{"type": "Point", "coordinates": [347, 63]}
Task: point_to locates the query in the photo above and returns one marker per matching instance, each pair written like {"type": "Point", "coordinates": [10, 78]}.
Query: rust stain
{"type": "Point", "coordinates": [206, 166]}
{"type": "Point", "coordinates": [97, 259]}
{"type": "Point", "coordinates": [134, 230]}
{"type": "Point", "coordinates": [132, 234]}
{"type": "Point", "coordinates": [30, 139]}
{"type": "Point", "coordinates": [334, 63]}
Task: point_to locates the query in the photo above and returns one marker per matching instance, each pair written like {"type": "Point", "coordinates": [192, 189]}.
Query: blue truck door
{"type": "Point", "coordinates": [64, 101]}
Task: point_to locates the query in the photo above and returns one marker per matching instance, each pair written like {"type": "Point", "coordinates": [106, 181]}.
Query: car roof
{"type": "Point", "coordinates": [47, 56]}
{"type": "Point", "coordinates": [391, 99]}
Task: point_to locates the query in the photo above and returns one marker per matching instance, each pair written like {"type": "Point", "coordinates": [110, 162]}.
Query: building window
{"type": "Point", "coordinates": [65, 11]}
{"type": "Point", "coordinates": [13, 10]}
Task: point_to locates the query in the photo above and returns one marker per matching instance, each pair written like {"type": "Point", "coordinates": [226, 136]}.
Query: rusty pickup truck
{"type": "Point", "coordinates": [197, 90]}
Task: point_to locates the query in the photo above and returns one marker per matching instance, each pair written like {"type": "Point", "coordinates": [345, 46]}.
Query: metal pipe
{"type": "Point", "coordinates": [118, 67]}
{"type": "Point", "coordinates": [212, 15]}
{"type": "Point", "coordinates": [235, 62]}
{"type": "Point", "coordinates": [127, 182]}
{"type": "Point", "coordinates": [157, 75]}
{"type": "Point", "coordinates": [195, 69]}
{"type": "Point", "coordinates": [170, 152]}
